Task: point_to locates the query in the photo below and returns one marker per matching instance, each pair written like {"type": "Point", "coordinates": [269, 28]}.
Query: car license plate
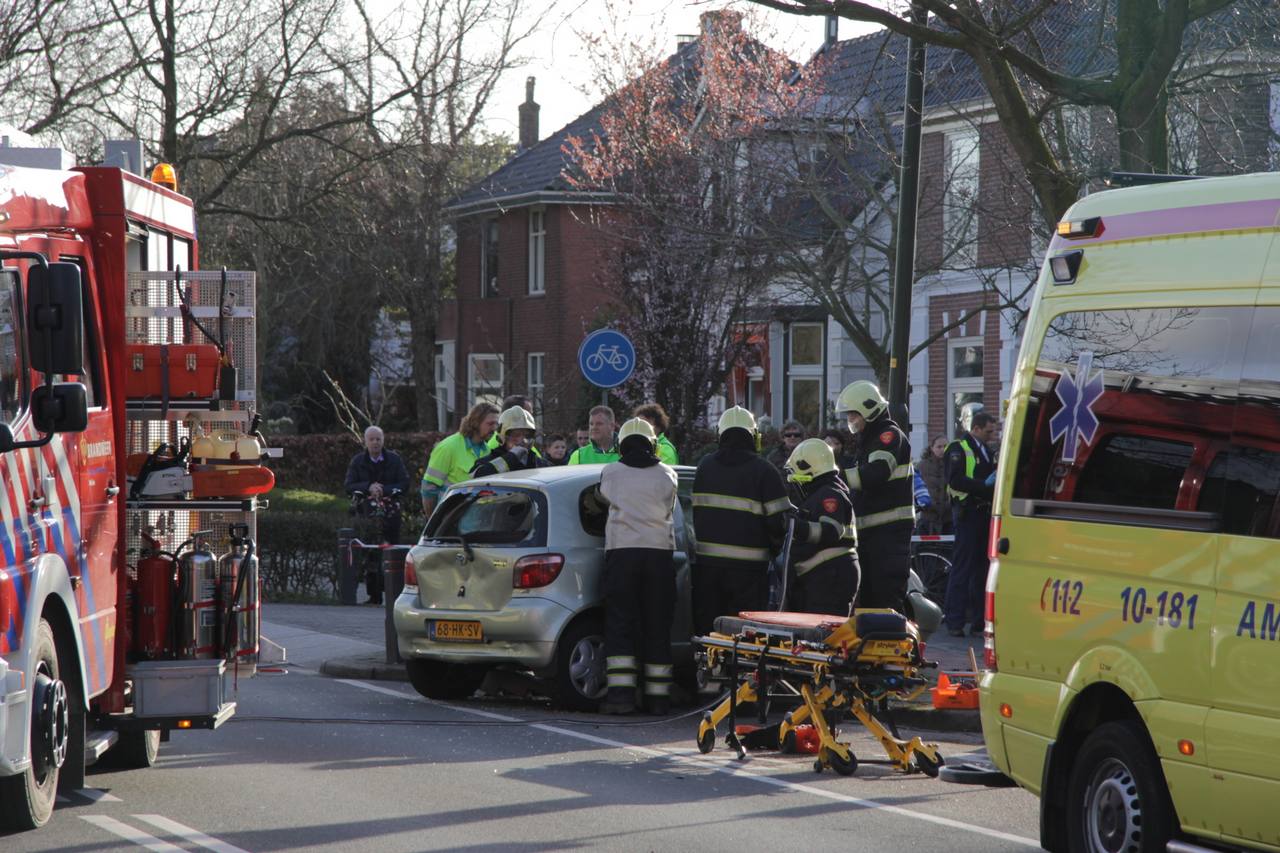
{"type": "Point", "coordinates": [452, 631]}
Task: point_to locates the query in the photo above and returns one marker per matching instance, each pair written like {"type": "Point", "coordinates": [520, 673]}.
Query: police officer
{"type": "Point", "coordinates": [739, 510]}
{"type": "Point", "coordinates": [639, 571]}
{"type": "Point", "coordinates": [971, 474]}
{"type": "Point", "coordinates": [516, 429]}
{"type": "Point", "coordinates": [881, 480]}
{"type": "Point", "coordinates": [824, 547]}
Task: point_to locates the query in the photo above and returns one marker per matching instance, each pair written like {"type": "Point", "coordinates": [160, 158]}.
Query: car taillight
{"type": "Point", "coordinates": [537, 570]}
{"type": "Point", "coordinates": [410, 574]}
{"type": "Point", "coordinates": [989, 619]}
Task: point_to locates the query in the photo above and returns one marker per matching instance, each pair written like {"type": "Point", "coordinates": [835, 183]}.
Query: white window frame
{"type": "Point", "coordinates": [537, 252]}
{"type": "Point", "coordinates": [536, 372]}
{"type": "Point", "coordinates": [962, 154]}
{"type": "Point", "coordinates": [445, 353]}
{"type": "Point", "coordinates": [968, 384]}
{"type": "Point", "coordinates": [476, 391]}
{"type": "Point", "coordinates": [807, 372]}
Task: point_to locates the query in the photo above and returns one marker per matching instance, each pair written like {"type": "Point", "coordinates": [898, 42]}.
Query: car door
{"type": "Point", "coordinates": [1243, 724]}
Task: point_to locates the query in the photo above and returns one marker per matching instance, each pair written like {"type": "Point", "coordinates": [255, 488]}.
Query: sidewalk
{"type": "Point", "coordinates": [347, 642]}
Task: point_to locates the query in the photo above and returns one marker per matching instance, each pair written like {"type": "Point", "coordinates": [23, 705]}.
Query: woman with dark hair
{"type": "Point", "coordinates": [936, 518]}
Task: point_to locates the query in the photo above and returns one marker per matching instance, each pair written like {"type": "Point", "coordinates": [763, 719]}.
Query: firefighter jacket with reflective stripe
{"type": "Point", "coordinates": [739, 506]}
{"type": "Point", "coordinates": [667, 451]}
{"type": "Point", "coordinates": [968, 466]}
{"type": "Point", "coordinates": [824, 526]}
{"type": "Point", "coordinates": [450, 462]}
{"type": "Point", "coordinates": [641, 506]}
{"type": "Point", "coordinates": [501, 461]}
{"type": "Point", "coordinates": [882, 479]}
{"type": "Point", "coordinates": [591, 454]}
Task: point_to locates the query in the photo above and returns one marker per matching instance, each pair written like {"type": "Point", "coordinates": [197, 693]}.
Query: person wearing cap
{"type": "Point", "coordinates": [824, 546]}
{"type": "Point", "coordinates": [739, 521]}
{"type": "Point", "coordinates": [516, 430]}
{"type": "Point", "coordinates": [881, 481]}
{"type": "Point", "coordinates": [639, 572]}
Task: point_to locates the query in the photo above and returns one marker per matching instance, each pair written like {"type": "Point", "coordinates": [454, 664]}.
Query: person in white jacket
{"type": "Point", "coordinates": [639, 573]}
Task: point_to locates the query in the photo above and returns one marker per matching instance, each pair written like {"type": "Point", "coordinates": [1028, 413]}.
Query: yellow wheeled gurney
{"type": "Point", "coordinates": [834, 664]}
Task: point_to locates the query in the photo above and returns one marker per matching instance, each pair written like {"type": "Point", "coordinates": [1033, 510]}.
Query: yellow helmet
{"type": "Point", "coordinates": [640, 427]}
{"type": "Point", "coordinates": [516, 417]}
{"type": "Point", "coordinates": [862, 397]}
{"type": "Point", "coordinates": [811, 458]}
{"type": "Point", "coordinates": [738, 418]}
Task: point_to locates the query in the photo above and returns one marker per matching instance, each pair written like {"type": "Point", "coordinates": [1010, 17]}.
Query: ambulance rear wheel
{"type": "Point", "coordinates": [135, 750]}
{"type": "Point", "coordinates": [26, 800]}
{"type": "Point", "coordinates": [1116, 796]}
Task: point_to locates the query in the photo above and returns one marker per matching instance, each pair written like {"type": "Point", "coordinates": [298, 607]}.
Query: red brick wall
{"type": "Point", "coordinates": [1005, 207]}
{"type": "Point", "coordinates": [954, 305]}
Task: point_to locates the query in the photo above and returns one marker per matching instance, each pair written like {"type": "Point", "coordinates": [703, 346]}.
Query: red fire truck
{"type": "Point", "coordinates": [113, 629]}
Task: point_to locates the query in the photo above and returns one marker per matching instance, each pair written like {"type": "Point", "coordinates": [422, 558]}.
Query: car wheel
{"type": "Point", "coordinates": [580, 678]}
{"type": "Point", "coordinates": [436, 679]}
{"type": "Point", "coordinates": [1116, 796]}
{"type": "Point", "coordinates": [134, 750]}
{"type": "Point", "coordinates": [26, 800]}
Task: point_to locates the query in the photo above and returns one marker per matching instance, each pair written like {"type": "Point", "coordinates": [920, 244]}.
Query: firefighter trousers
{"type": "Point", "coordinates": [827, 588]}
{"type": "Point", "coordinates": [639, 604]}
{"type": "Point", "coordinates": [885, 558]}
{"type": "Point", "coordinates": [727, 591]}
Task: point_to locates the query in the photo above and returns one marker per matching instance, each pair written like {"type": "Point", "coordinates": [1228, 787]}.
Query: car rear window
{"type": "Point", "coordinates": [492, 516]}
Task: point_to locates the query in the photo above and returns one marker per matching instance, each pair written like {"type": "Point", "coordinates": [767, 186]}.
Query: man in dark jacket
{"type": "Point", "coordinates": [516, 430]}
{"type": "Point", "coordinates": [379, 474]}
{"type": "Point", "coordinates": [882, 481]}
{"type": "Point", "coordinates": [739, 507]}
{"type": "Point", "coordinates": [824, 547]}
{"type": "Point", "coordinates": [971, 474]}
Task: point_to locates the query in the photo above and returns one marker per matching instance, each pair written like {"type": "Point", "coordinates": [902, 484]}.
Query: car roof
{"type": "Point", "coordinates": [541, 477]}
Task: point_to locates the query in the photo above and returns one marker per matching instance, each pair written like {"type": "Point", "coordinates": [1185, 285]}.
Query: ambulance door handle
{"type": "Point", "coordinates": [1002, 545]}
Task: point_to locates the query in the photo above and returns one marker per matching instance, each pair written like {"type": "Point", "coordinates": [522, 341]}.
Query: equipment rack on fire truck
{"type": "Point", "coordinates": [109, 639]}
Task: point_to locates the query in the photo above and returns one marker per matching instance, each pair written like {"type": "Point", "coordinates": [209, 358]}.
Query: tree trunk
{"type": "Point", "coordinates": [169, 70]}
{"type": "Point", "coordinates": [1142, 127]}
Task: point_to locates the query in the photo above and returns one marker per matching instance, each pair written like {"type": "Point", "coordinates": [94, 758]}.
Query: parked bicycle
{"type": "Point", "coordinates": [931, 561]}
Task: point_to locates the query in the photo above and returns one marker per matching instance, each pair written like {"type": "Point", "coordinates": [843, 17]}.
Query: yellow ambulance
{"type": "Point", "coordinates": [1133, 605]}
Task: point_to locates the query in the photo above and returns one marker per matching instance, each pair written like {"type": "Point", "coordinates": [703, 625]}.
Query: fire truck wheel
{"type": "Point", "coordinates": [448, 681]}
{"type": "Point", "coordinates": [135, 750]}
{"type": "Point", "coordinates": [26, 801]}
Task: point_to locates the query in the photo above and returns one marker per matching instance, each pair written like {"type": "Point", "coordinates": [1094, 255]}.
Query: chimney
{"type": "Point", "coordinates": [833, 32]}
{"type": "Point", "coordinates": [528, 117]}
{"type": "Point", "coordinates": [725, 20]}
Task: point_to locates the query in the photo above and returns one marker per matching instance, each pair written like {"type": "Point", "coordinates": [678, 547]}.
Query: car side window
{"type": "Point", "coordinates": [13, 359]}
{"type": "Point", "coordinates": [1125, 402]}
{"type": "Point", "coordinates": [593, 510]}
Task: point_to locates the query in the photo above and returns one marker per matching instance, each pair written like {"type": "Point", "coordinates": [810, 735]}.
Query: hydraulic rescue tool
{"type": "Point", "coordinates": [833, 664]}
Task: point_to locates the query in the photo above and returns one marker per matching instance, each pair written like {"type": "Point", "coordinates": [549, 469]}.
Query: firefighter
{"type": "Point", "coordinates": [639, 573]}
{"type": "Point", "coordinates": [739, 511]}
{"type": "Point", "coordinates": [881, 481]}
{"type": "Point", "coordinates": [453, 458]}
{"type": "Point", "coordinates": [971, 474]}
{"type": "Point", "coordinates": [824, 547]}
{"type": "Point", "coordinates": [516, 429]}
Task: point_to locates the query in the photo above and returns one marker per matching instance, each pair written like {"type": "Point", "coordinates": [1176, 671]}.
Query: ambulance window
{"type": "Point", "coordinates": [1134, 471]}
{"type": "Point", "coordinates": [1244, 483]}
{"type": "Point", "coordinates": [12, 352]}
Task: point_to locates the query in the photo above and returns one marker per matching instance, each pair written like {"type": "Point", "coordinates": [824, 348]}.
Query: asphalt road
{"type": "Point", "coordinates": [415, 775]}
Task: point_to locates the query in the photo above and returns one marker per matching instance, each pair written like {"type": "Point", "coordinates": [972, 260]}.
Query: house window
{"type": "Point", "coordinates": [484, 379]}
{"type": "Point", "coordinates": [537, 252]}
{"type": "Point", "coordinates": [964, 380]}
{"type": "Point", "coordinates": [804, 374]}
{"type": "Point", "coordinates": [536, 386]}
{"type": "Point", "coordinates": [489, 258]}
{"type": "Point", "coordinates": [445, 351]}
{"type": "Point", "coordinates": [960, 198]}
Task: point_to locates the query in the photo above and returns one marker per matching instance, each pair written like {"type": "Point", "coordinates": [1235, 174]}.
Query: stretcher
{"type": "Point", "coordinates": [835, 665]}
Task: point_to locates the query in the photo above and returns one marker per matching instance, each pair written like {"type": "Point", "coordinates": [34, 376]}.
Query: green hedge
{"type": "Point", "coordinates": [319, 462]}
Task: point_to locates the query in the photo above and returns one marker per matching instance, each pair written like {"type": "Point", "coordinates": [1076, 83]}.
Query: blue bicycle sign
{"type": "Point", "coordinates": [606, 358]}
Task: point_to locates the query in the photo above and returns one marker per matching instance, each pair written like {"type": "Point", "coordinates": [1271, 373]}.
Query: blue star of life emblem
{"type": "Point", "coordinates": [1075, 421]}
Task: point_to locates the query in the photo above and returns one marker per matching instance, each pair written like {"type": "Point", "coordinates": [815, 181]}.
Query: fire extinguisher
{"type": "Point", "coordinates": [153, 628]}
{"type": "Point", "coordinates": [241, 609]}
{"type": "Point", "coordinates": [197, 598]}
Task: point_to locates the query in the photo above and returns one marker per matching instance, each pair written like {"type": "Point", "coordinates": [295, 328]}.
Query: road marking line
{"type": "Point", "coordinates": [98, 795]}
{"type": "Point", "coordinates": [128, 833]}
{"type": "Point", "coordinates": [186, 833]}
{"type": "Point", "coordinates": [711, 764]}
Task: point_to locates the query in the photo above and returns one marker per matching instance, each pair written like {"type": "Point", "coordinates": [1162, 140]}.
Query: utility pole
{"type": "Point", "coordinates": [904, 267]}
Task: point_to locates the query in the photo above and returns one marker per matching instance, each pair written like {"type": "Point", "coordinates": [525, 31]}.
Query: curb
{"type": "Point", "coordinates": [363, 668]}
